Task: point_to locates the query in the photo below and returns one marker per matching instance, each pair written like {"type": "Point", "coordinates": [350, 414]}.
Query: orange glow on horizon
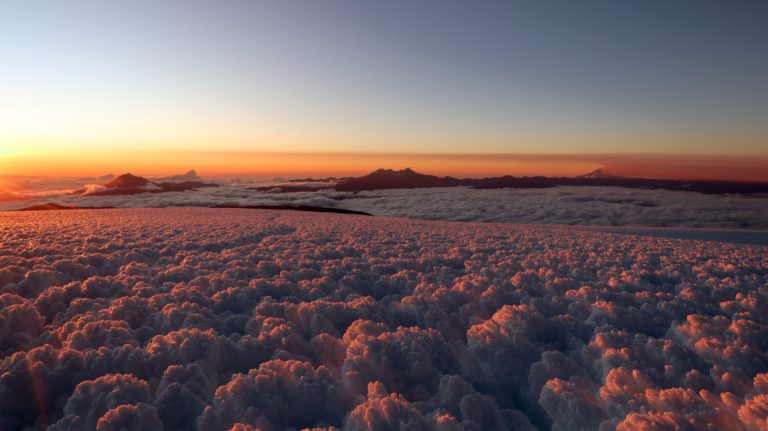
{"type": "Point", "coordinates": [263, 164]}
{"type": "Point", "coordinates": [297, 164]}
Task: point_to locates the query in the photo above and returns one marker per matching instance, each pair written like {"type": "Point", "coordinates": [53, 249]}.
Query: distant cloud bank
{"type": "Point", "coordinates": [600, 206]}
{"type": "Point", "coordinates": [439, 198]}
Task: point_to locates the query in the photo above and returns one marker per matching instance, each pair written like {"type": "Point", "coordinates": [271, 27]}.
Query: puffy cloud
{"type": "Point", "coordinates": [408, 360]}
{"type": "Point", "coordinates": [571, 405]}
{"type": "Point", "coordinates": [279, 394]}
{"type": "Point", "coordinates": [754, 412]}
{"type": "Point", "coordinates": [99, 402]}
{"type": "Point", "coordinates": [20, 323]}
{"type": "Point", "coordinates": [129, 417]}
{"type": "Point", "coordinates": [653, 422]}
{"type": "Point", "coordinates": [385, 412]}
{"type": "Point", "coordinates": [246, 319]}
{"type": "Point", "coordinates": [183, 393]}
{"type": "Point", "coordinates": [186, 346]}
{"type": "Point", "coordinates": [90, 189]}
{"type": "Point", "coordinates": [106, 333]}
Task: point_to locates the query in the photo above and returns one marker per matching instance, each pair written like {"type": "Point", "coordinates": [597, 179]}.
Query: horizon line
{"type": "Point", "coordinates": [218, 163]}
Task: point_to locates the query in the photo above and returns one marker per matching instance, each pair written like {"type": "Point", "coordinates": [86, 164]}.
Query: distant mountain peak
{"type": "Point", "coordinates": [127, 180]}
{"type": "Point", "coordinates": [402, 172]}
{"type": "Point", "coordinates": [597, 173]}
{"type": "Point", "coordinates": [129, 184]}
{"type": "Point", "coordinates": [396, 179]}
{"type": "Point", "coordinates": [191, 175]}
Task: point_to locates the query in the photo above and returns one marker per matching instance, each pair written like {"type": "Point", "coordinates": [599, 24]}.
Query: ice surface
{"type": "Point", "coordinates": [253, 319]}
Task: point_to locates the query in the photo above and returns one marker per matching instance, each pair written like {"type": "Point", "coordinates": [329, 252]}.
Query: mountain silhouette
{"type": "Point", "coordinates": [191, 175]}
{"type": "Point", "coordinates": [128, 180]}
{"type": "Point", "coordinates": [56, 207]}
{"type": "Point", "coordinates": [129, 184]}
{"type": "Point", "coordinates": [598, 173]}
{"type": "Point", "coordinates": [382, 179]}
{"type": "Point", "coordinates": [403, 179]}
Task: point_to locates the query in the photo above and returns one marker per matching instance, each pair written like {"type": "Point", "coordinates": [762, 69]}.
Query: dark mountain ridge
{"type": "Point", "coordinates": [127, 181]}
{"type": "Point", "coordinates": [382, 179]}
{"type": "Point", "coordinates": [129, 184]}
{"type": "Point", "coordinates": [56, 207]}
{"type": "Point", "coordinates": [403, 179]}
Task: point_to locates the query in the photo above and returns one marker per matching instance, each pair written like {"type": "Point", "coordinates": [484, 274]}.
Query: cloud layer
{"type": "Point", "coordinates": [595, 206]}
{"type": "Point", "coordinates": [247, 319]}
{"type": "Point", "coordinates": [600, 206]}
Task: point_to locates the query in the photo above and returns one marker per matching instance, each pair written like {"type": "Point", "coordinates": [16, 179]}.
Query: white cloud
{"type": "Point", "coordinates": [592, 206]}
{"type": "Point", "coordinates": [601, 206]}
{"type": "Point", "coordinates": [219, 319]}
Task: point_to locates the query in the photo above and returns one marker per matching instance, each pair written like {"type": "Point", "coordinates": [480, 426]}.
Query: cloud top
{"type": "Point", "coordinates": [248, 319]}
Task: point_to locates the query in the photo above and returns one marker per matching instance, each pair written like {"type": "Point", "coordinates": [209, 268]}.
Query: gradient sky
{"type": "Point", "coordinates": [98, 86]}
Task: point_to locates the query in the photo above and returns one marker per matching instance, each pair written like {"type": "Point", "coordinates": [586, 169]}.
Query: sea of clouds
{"type": "Point", "coordinates": [228, 319]}
{"type": "Point", "coordinates": [602, 206]}
{"type": "Point", "coordinates": [594, 206]}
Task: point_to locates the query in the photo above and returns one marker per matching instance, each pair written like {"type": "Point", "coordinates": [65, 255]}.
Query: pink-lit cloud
{"type": "Point", "coordinates": [247, 319]}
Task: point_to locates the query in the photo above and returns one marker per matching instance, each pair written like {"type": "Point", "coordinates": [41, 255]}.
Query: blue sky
{"type": "Point", "coordinates": [686, 77]}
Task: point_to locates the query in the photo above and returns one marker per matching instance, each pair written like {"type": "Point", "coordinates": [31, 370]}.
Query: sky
{"type": "Point", "coordinates": [242, 87]}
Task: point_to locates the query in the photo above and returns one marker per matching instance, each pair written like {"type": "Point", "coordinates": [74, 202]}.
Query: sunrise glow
{"type": "Point", "coordinates": [98, 98]}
